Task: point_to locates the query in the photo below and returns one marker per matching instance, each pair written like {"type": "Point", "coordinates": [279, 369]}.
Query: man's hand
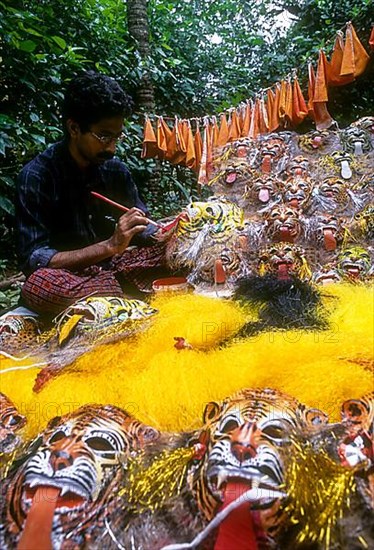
{"type": "Point", "coordinates": [131, 223]}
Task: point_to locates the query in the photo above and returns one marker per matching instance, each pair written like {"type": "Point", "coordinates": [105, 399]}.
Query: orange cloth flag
{"type": "Point", "coordinates": [234, 127]}
{"type": "Point", "coordinates": [288, 104]}
{"type": "Point", "coordinates": [371, 39]}
{"type": "Point", "coordinates": [334, 77]}
{"type": "Point", "coordinates": [215, 132]}
{"type": "Point", "coordinates": [355, 58]}
{"type": "Point", "coordinates": [282, 101]}
{"type": "Point", "coordinates": [223, 136]}
{"type": "Point", "coordinates": [150, 148]}
{"type": "Point", "coordinates": [320, 85]}
{"type": "Point", "coordinates": [163, 135]}
{"type": "Point", "coordinates": [176, 152]}
{"type": "Point", "coordinates": [317, 93]}
{"type": "Point", "coordinates": [198, 144]}
{"type": "Point", "coordinates": [190, 146]}
{"type": "Point", "coordinates": [263, 121]}
{"type": "Point", "coordinates": [270, 107]}
{"type": "Point", "coordinates": [273, 108]}
{"type": "Point", "coordinates": [311, 82]}
{"type": "Point", "coordinates": [299, 107]}
{"type": "Point", "coordinates": [246, 120]}
{"type": "Point", "coordinates": [253, 128]}
{"type": "Point", "coordinates": [207, 155]}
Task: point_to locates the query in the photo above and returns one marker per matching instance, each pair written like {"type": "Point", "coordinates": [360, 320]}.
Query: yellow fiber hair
{"type": "Point", "coordinates": [168, 388]}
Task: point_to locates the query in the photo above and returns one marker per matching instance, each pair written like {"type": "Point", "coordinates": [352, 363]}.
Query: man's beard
{"type": "Point", "coordinates": [105, 155]}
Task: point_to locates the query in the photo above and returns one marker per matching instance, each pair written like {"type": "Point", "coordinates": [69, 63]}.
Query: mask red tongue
{"type": "Point", "coordinates": [294, 203]}
{"type": "Point", "coordinates": [329, 240]}
{"type": "Point", "coordinates": [285, 235]}
{"type": "Point", "coordinates": [236, 532]}
{"type": "Point", "coordinates": [231, 178]}
{"type": "Point", "coordinates": [354, 272]}
{"type": "Point", "coordinates": [266, 164]}
{"type": "Point", "coordinates": [317, 142]}
{"type": "Point", "coordinates": [283, 272]}
{"type": "Point", "coordinates": [264, 195]}
{"type": "Point", "coordinates": [38, 526]}
{"type": "Point", "coordinates": [219, 273]}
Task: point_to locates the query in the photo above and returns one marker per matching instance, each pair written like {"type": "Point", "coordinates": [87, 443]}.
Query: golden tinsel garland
{"type": "Point", "coordinates": [149, 488]}
{"type": "Point", "coordinates": [6, 460]}
{"type": "Point", "coordinates": [319, 491]}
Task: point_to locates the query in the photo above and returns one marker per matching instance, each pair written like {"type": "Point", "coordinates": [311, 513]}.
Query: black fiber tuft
{"type": "Point", "coordinates": [282, 304]}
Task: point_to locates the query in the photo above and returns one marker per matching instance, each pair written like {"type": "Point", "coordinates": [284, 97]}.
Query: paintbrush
{"type": "Point", "coordinates": [120, 206]}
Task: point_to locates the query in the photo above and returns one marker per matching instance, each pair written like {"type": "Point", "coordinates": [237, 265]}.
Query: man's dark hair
{"type": "Point", "coordinates": [93, 96]}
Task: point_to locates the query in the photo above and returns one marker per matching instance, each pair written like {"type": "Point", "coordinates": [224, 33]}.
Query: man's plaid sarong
{"type": "Point", "coordinates": [50, 291]}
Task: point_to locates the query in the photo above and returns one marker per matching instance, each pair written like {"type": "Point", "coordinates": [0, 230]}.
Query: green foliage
{"type": "Point", "coordinates": [9, 298]}
{"type": "Point", "coordinates": [205, 56]}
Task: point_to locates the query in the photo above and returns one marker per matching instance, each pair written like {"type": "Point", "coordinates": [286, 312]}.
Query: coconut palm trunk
{"type": "Point", "coordinates": [137, 20]}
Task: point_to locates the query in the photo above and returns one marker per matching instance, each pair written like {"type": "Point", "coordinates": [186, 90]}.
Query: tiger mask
{"type": "Point", "coordinates": [284, 260]}
{"type": "Point", "coordinates": [297, 191]}
{"type": "Point", "coordinates": [356, 140]}
{"type": "Point", "coordinates": [327, 231]}
{"type": "Point", "coordinates": [273, 153]}
{"type": "Point", "coordinates": [249, 438]}
{"type": "Point", "coordinates": [263, 191]}
{"type": "Point", "coordinates": [283, 224]}
{"type": "Point", "coordinates": [354, 264]}
{"type": "Point", "coordinates": [74, 465]}
{"type": "Point", "coordinates": [11, 421]}
{"type": "Point", "coordinates": [298, 167]}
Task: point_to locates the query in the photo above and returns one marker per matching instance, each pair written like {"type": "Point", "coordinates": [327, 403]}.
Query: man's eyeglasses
{"type": "Point", "coordinates": [107, 140]}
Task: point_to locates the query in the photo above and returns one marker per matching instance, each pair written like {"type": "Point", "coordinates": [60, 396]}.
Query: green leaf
{"type": "Point", "coordinates": [7, 180]}
{"type": "Point", "coordinates": [38, 138]}
{"type": "Point", "coordinates": [6, 205]}
{"type": "Point", "coordinates": [59, 41]}
{"type": "Point", "coordinates": [33, 31]}
{"type": "Point", "coordinates": [27, 46]}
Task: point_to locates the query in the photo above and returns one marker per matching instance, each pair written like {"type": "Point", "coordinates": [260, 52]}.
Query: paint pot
{"type": "Point", "coordinates": [171, 284]}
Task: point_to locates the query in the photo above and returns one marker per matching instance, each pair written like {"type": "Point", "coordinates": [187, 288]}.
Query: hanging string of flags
{"type": "Point", "coordinates": [281, 106]}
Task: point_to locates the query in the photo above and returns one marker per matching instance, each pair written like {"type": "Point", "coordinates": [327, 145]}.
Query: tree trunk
{"type": "Point", "coordinates": [137, 20]}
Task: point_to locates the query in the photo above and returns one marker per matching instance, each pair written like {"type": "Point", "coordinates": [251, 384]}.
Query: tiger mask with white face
{"type": "Point", "coordinates": [249, 438]}
{"type": "Point", "coordinates": [73, 466]}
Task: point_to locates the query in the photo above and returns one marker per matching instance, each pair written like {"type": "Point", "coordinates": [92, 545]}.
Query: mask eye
{"type": "Point", "coordinates": [53, 423]}
{"type": "Point", "coordinates": [57, 436]}
{"type": "Point", "coordinates": [100, 444]}
{"type": "Point", "coordinates": [104, 443]}
{"type": "Point", "coordinates": [274, 432]}
{"type": "Point", "coordinates": [14, 420]}
{"type": "Point", "coordinates": [229, 426]}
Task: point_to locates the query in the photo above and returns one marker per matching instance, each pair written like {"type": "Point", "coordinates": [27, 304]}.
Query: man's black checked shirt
{"type": "Point", "coordinates": [56, 212]}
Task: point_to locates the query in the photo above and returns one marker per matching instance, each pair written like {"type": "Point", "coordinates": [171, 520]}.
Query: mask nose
{"type": "Point", "coordinates": [60, 460]}
{"type": "Point", "coordinates": [244, 441]}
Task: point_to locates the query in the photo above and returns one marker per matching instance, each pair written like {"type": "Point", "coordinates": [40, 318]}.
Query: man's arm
{"type": "Point", "coordinates": [129, 225]}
